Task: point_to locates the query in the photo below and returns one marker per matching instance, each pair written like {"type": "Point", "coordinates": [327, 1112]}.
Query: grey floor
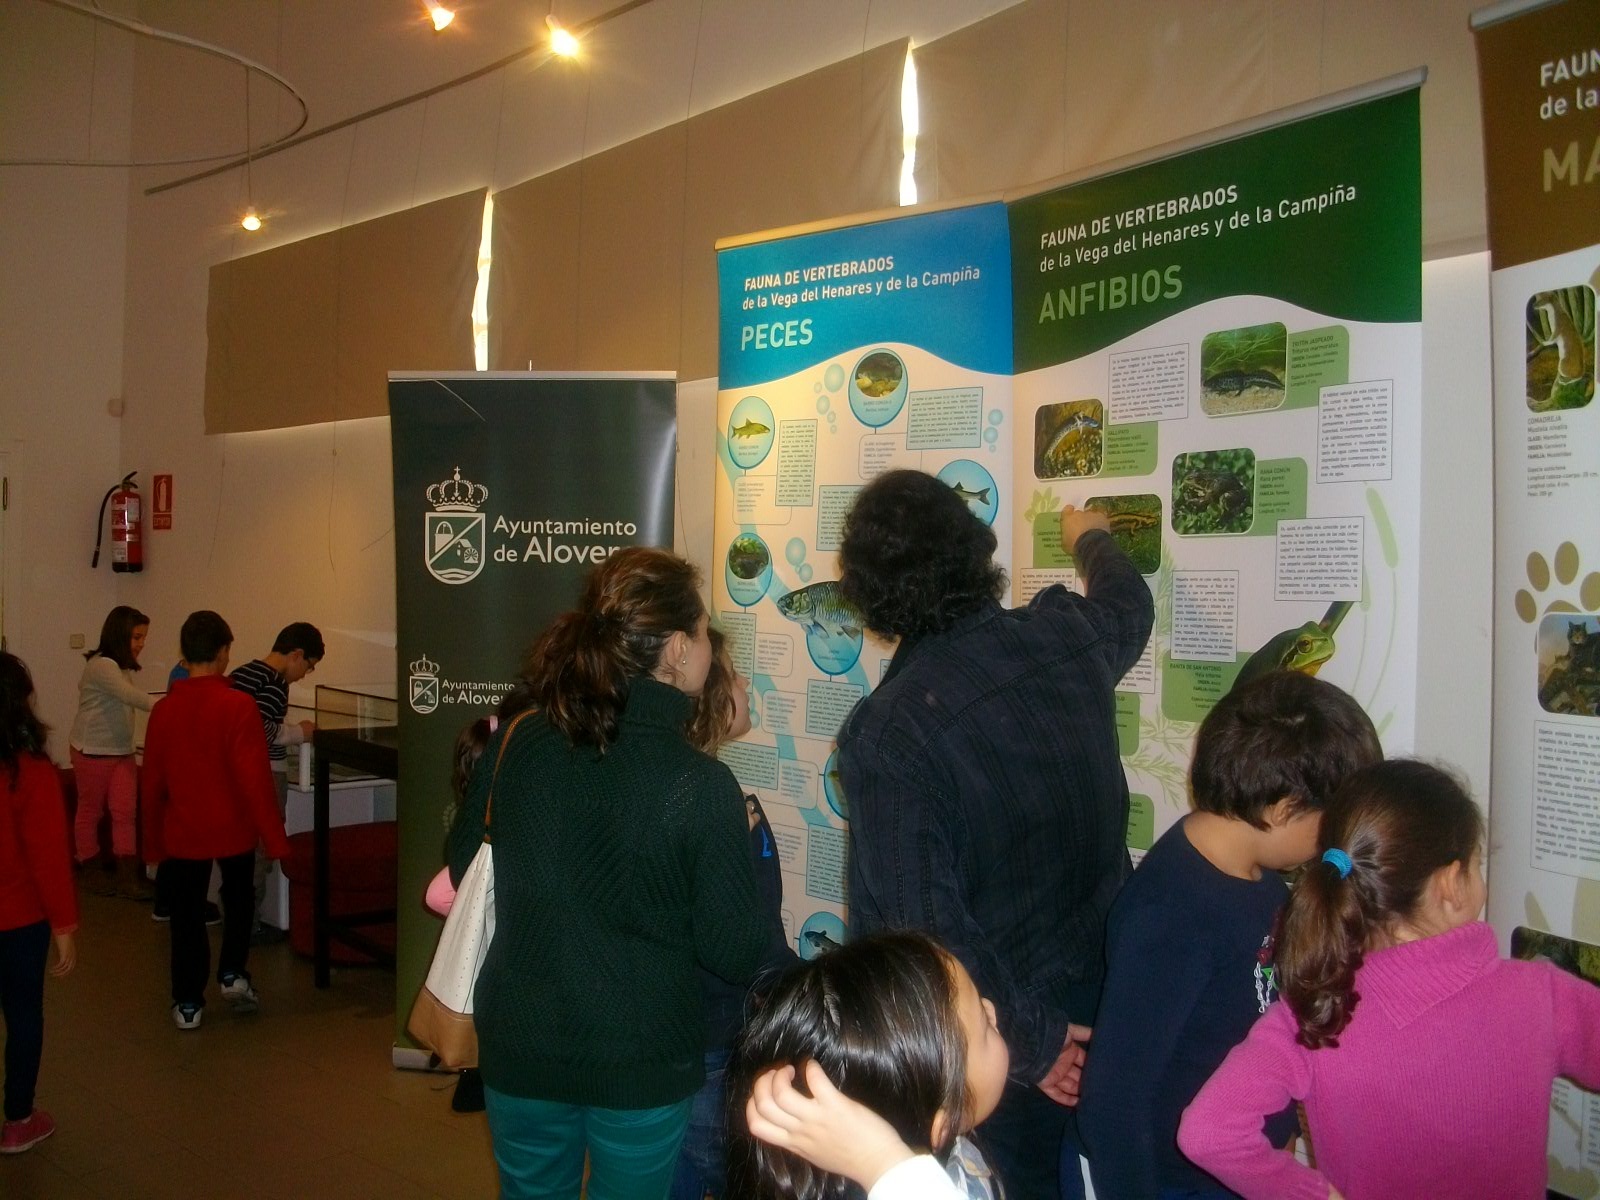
{"type": "Point", "coordinates": [297, 1100]}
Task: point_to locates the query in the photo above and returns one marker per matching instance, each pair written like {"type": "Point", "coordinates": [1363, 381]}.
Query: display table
{"type": "Point", "coordinates": [358, 732]}
{"type": "Point", "coordinates": [353, 799]}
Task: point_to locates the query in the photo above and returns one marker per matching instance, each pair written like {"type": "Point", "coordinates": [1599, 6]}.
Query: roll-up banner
{"type": "Point", "coordinates": [1539, 70]}
{"type": "Point", "coordinates": [508, 488]}
{"type": "Point", "coordinates": [845, 353]}
{"type": "Point", "coordinates": [1221, 350]}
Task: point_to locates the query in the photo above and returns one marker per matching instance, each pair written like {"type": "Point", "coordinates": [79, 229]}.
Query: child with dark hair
{"type": "Point", "coordinates": [721, 713]}
{"type": "Point", "coordinates": [37, 901]}
{"type": "Point", "coordinates": [895, 1024]}
{"type": "Point", "coordinates": [101, 743]}
{"type": "Point", "coordinates": [295, 654]}
{"type": "Point", "coordinates": [1424, 1059]}
{"type": "Point", "coordinates": [1189, 940]}
{"type": "Point", "coordinates": [208, 797]}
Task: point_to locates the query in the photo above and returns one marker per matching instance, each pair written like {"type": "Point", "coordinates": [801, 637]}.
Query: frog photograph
{"type": "Point", "coordinates": [1135, 525]}
{"type": "Point", "coordinates": [1560, 347]}
{"type": "Point", "coordinates": [1067, 439]}
{"type": "Point", "coordinates": [1213, 491]}
{"type": "Point", "coordinates": [1242, 370]}
{"type": "Point", "coordinates": [1304, 648]}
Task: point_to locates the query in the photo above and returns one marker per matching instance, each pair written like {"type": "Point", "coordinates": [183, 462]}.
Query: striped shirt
{"type": "Point", "coordinates": [270, 690]}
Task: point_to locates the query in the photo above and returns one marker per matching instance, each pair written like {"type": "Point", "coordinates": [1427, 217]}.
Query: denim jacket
{"type": "Point", "coordinates": [988, 805]}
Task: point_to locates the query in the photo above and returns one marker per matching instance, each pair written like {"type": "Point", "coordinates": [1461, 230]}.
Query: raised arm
{"type": "Point", "coordinates": [1119, 600]}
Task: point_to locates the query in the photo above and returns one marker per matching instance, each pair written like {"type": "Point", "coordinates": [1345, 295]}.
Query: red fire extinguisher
{"type": "Point", "coordinates": [127, 526]}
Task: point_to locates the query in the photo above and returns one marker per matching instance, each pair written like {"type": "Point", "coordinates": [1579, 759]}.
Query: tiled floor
{"type": "Point", "coordinates": [296, 1101]}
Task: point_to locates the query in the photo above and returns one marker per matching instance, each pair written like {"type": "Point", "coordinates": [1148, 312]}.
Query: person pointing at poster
{"type": "Point", "coordinates": [987, 800]}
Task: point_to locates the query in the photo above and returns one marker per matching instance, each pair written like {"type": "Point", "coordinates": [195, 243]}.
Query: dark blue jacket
{"type": "Point", "coordinates": [987, 800]}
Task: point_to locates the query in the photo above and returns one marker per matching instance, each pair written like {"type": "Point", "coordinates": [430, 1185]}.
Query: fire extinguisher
{"type": "Point", "coordinates": [127, 526]}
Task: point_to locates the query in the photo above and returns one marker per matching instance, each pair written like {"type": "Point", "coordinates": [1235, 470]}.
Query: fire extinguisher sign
{"type": "Point", "coordinates": [161, 503]}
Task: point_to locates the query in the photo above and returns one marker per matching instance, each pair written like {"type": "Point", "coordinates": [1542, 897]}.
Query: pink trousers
{"type": "Point", "coordinates": [106, 783]}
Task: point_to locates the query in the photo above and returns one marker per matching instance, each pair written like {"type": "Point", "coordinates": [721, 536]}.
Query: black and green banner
{"type": "Point", "coordinates": [508, 489]}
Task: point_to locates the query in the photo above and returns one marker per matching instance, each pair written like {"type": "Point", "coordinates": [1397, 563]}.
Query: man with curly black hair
{"type": "Point", "coordinates": [987, 800]}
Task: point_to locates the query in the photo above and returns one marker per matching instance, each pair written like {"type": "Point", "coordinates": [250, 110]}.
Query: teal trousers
{"type": "Point", "coordinates": [540, 1148]}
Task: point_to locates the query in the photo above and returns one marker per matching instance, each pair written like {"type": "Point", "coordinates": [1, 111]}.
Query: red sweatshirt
{"type": "Point", "coordinates": [35, 864]}
{"type": "Point", "coordinates": [206, 787]}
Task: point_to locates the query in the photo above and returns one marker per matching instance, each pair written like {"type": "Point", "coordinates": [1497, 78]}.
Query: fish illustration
{"type": "Point", "coordinates": [821, 607]}
{"type": "Point", "coordinates": [820, 940]}
{"type": "Point", "coordinates": [1237, 381]}
{"type": "Point", "coordinates": [980, 497]}
{"type": "Point", "coordinates": [750, 428]}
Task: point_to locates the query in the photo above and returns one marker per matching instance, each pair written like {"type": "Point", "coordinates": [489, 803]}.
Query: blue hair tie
{"type": "Point", "coordinates": [1340, 860]}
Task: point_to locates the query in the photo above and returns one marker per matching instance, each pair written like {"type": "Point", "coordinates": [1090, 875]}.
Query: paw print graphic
{"type": "Point", "coordinates": [1562, 569]}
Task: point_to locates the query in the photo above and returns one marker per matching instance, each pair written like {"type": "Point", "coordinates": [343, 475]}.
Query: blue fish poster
{"type": "Point", "coordinates": [845, 353]}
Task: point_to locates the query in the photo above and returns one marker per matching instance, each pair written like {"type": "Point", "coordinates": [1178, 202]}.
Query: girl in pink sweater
{"type": "Point", "coordinates": [1424, 1059]}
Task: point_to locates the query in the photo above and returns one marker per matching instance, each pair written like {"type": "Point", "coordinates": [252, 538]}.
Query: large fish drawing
{"type": "Point", "coordinates": [821, 607]}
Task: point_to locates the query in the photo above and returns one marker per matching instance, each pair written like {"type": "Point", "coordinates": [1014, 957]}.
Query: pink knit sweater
{"type": "Point", "coordinates": [1440, 1085]}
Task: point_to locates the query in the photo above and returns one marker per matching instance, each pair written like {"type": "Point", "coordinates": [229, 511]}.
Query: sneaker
{"type": "Point", "coordinates": [236, 990]}
{"type": "Point", "coordinates": [160, 912]}
{"type": "Point", "coordinates": [26, 1133]}
{"type": "Point", "coordinates": [186, 1016]}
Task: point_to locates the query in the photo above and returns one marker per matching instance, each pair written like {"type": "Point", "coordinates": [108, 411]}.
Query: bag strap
{"type": "Point", "coordinates": [488, 804]}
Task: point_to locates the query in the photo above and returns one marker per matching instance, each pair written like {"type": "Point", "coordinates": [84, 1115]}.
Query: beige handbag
{"type": "Point", "coordinates": [441, 1018]}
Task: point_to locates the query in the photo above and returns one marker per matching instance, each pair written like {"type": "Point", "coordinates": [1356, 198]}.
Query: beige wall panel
{"type": "Point", "coordinates": [754, 166]}
{"type": "Point", "coordinates": [1368, 39]}
{"type": "Point", "coordinates": [405, 299]}
{"type": "Point", "coordinates": [534, 323]}
{"type": "Point", "coordinates": [1151, 71]}
{"type": "Point", "coordinates": [629, 295]}
{"type": "Point", "coordinates": [992, 103]}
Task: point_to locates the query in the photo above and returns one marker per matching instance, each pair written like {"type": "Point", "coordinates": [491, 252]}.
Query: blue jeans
{"type": "Point", "coordinates": [1028, 1142]}
{"type": "Point", "coordinates": [703, 1161]}
{"type": "Point", "coordinates": [540, 1146]}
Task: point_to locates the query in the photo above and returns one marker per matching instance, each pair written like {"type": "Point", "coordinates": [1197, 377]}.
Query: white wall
{"type": "Point", "coordinates": [62, 286]}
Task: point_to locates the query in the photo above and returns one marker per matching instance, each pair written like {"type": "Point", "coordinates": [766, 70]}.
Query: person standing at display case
{"type": "Point", "coordinates": [295, 654]}
{"type": "Point", "coordinates": [208, 797]}
{"type": "Point", "coordinates": [987, 800]}
{"type": "Point", "coordinates": [103, 767]}
{"type": "Point", "coordinates": [621, 864]}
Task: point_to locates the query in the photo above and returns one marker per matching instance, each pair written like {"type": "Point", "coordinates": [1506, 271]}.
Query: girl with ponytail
{"type": "Point", "coordinates": [1423, 1059]}
{"type": "Point", "coordinates": [622, 865]}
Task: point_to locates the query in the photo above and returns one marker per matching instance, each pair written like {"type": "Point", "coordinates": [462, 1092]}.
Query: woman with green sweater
{"type": "Point", "coordinates": [621, 864]}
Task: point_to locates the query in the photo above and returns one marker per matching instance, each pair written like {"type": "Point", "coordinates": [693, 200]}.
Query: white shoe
{"type": "Point", "coordinates": [186, 1016]}
{"type": "Point", "coordinates": [236, 990]}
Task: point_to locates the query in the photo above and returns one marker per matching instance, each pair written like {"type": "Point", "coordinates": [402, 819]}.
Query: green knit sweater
{"type": "Point", "coordinates": [614, 877]}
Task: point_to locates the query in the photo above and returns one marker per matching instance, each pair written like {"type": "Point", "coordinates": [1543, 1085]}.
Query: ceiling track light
{"type": "Point", "coordinates": [563, 43]}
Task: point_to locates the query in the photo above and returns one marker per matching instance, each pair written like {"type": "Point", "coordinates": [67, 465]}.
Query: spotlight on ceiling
{"type": "Point", "coordinates": [439, 15]}
{"type": "Point", "coordinates": [562, 42]}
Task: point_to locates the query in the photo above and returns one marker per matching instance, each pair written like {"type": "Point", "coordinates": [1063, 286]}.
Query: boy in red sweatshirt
{"type": "Point", "coordinates": [207, 795]}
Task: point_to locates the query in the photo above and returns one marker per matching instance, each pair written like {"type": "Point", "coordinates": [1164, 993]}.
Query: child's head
{"type": "Point", "coordinates": [122, 637]}
{"type": "Point", "coordinates": [468, 750]}
{"type": "Point", "coordinates": [1402, 842]}
{"type": "Point", "coordinates": [21, 731]}
{"type": "Point", "coordinates": [204, 639]}
{"type": "Point", "coordinates": [1272, 752]}
{"type": "Point", "coordinates": [722, 709]}
{"type": "Point", "coordinates": [897, 1025]}
{"type": "Point", "coordinates": [300, 643]}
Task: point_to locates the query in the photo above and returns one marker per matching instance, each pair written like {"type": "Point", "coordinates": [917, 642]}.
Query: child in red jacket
{"type": "Point", "coordinates": [37, 900]}
{"type": "Point", "coordinates": [207, 795]}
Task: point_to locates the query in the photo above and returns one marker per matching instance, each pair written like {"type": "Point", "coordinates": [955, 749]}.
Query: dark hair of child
{"type": "Point", "coordinates": [468, 750]}
{"type": "Point", "coordinates": [204, 636]}
{"type": "Point", "coordinates": [1283, 736]}
{"type": "Point", "coordinates": [879, 1016]}
{"type": "Point", "coordinates": [116, 637]}
{"type": "Point", "coordinates": [302, 636]}
{"type": "Point", "coordinates": [21, 731]}
{"type": "Point", "coordinates": [1399, 822]}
